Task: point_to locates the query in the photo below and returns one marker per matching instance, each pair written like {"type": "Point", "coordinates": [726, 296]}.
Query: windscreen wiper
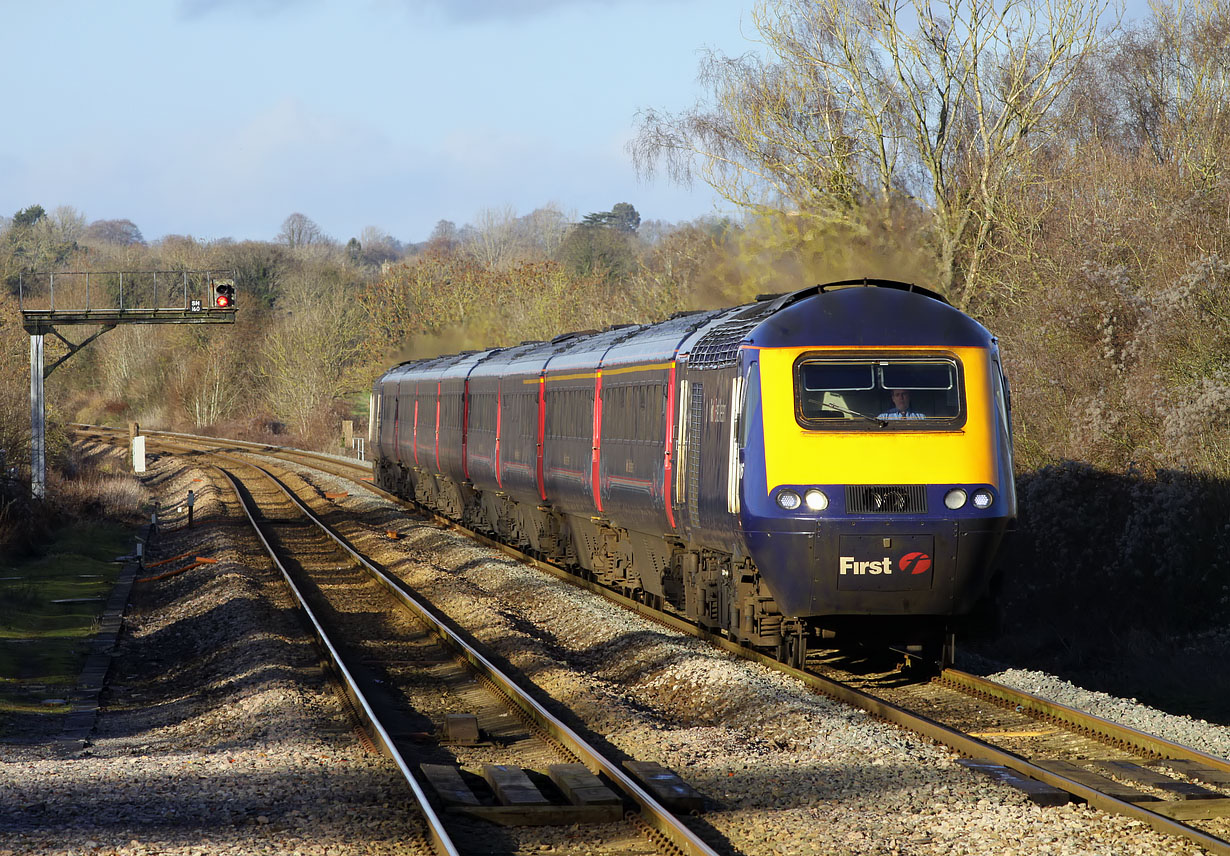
{"type": "Point", "coordinates": [881, 422]}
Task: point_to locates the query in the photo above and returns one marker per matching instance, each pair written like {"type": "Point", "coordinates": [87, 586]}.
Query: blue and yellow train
{"type": "Point", "coordinates": [832, 463]}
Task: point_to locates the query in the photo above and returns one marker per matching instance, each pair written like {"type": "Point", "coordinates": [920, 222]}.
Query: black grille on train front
{"type": "Point", "coordinates": [886, 499]}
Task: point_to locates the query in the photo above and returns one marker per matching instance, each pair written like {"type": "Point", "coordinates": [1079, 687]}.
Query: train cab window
{"type": "Point", "coordinates": [890, 393]}
{"type": "Point", "coordinates": [751, 404]}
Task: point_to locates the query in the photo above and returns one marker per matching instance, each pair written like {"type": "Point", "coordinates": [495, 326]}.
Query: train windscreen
{"type": "Point", "coordinates": [879, 394]}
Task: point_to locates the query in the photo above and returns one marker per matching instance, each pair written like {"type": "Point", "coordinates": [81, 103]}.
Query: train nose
{"type": "Point", "coordinates": [876, 567]}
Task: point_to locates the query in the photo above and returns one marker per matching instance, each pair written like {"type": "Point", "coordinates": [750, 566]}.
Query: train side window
{"type": "Point", "coordinates": [642, 411]}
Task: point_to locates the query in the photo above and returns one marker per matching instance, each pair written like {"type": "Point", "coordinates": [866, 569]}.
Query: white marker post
{"type": "Point", "coordinates": [138, 454]}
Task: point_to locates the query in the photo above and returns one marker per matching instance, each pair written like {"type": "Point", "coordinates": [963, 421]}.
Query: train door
{"type": "Point", "coordinates": [374, 404]}
{"type": "Point", "coordinates": [687, 476]}
{"type": "Point", "coordinates": [747, 430]}
{"type": "Point", "coordinates": [734, 449]}
{"type": "Point", "coordinates": [397, 429]}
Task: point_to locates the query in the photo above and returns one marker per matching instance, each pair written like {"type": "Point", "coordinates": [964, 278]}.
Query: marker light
{"type": "Point", "coordinates": [816, 500]}
{"type": "Point", "coordinates": [789, 499]}
{"type": "Point", "coordinates": [983, 498]}
{"type": "Point", "coordinates": [955, 498]}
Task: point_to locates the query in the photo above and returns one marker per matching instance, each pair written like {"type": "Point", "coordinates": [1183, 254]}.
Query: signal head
{"type": "Point", "coordinates": [224, 294]}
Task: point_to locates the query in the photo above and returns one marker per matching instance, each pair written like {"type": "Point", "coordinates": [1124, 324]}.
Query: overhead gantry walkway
{"type": "Point", "coordinates": [105, 300]}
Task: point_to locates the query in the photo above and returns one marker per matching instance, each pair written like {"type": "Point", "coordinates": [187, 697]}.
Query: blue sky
{"type": "Point", "coordinates": [218, 118]}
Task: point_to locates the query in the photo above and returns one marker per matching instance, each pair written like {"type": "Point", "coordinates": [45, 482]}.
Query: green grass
{"type": "Point", "coordinates": [43, 645]}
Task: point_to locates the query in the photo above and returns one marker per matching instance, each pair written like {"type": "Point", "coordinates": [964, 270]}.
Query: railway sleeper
{"type": "Point", "coordinates": [512, 796]}
{"type": "Point", "coordinates": [1039, 793]}
{"type": "Point", "coordinates": [1194, 802]}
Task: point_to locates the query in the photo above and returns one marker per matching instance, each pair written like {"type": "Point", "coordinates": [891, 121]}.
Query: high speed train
{"type": "Point", "coordinates": [752, 468]}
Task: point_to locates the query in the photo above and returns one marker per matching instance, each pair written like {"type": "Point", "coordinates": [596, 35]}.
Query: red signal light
{"type": "Point", "coordinates": [224, 294]}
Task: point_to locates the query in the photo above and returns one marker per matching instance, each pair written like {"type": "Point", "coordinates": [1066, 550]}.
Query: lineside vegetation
{"type": "Point", "coordinates": [1057, 173]}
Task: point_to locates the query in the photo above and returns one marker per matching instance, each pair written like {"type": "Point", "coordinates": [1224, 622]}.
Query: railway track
{"type": "Point", "coordinates": [1004, 731]}
{"type": "Point", "coordinates": [438, 706]}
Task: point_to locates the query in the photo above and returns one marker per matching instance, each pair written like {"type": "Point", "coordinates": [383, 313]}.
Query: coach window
{"type": "Point", "coordinates": [889, 393]}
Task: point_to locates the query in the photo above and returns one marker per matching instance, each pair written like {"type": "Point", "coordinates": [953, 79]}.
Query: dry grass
{"type": "Point", "coordinates": [82, 484]}
{"type": "Point", "coordinates": [102, 495]}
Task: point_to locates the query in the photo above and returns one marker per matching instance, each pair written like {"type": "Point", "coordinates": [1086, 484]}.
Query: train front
{"type": "Point", "coordinates": [877, 462]}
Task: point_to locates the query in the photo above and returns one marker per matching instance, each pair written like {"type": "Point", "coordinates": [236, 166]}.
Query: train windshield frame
{"type": "Point", "coordinates": [857, 392]}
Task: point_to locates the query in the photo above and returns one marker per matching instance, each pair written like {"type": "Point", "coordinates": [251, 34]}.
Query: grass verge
{"type": "Point", "coordinates": [43, 643]}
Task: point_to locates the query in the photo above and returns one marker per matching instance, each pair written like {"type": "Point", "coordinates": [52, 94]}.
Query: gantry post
{"type": "Point", "coordinates": [38, 420]}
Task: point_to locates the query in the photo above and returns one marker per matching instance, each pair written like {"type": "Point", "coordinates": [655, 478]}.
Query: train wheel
{"type": "Point", "coordinates": [792, 649]}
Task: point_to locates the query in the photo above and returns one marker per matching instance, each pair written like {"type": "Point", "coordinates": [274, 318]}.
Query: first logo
{"type": "Point", "coordinates": [915, 563]}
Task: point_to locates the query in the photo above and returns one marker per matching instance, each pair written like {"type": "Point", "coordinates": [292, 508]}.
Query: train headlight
{"type": "Point", "coordinates": [789, 499]}
{"type": "Point", "coordinates": [983, 498]}
{"type": "Point", "coordinates": [955, 498]}
{"type": "Point", "coordinates": [816, 500]}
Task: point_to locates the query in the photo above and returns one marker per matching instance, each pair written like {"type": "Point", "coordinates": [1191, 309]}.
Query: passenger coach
{"type": "Point", "coordinates": [753, 468]}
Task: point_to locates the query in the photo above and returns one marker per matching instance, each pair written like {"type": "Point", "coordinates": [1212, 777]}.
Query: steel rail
{"type": "Point", "coordinates": [655, 814]}
{"type": "Point", "coordinates": [971, 747]}
{"type": "Point", "coordinates": [965, 744]}
{"type": "Point", "coordinates": [1148, 743]}
{"type": "Point", "coordinates": [439, 836]}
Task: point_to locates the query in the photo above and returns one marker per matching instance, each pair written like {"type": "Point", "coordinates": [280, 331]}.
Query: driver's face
{"type": "Point", "coordinates": [901, 399]}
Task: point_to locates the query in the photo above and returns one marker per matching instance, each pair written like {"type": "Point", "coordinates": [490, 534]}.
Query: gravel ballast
{"type": "Point", "coordinates": [219, 734]}
{"type": "Point", "coordinates": [782, 769]}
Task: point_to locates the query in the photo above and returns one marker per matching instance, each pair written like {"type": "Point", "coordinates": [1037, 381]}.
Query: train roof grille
{"type": "Point", "coordinates": [720, 346]}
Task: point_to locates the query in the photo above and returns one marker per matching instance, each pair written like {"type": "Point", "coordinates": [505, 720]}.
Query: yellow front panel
{"type": "Point", "coordinates": [794, 455]}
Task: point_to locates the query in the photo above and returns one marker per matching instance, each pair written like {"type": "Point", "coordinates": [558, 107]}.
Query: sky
{"type": "Point", "coordinates": [219, 118]}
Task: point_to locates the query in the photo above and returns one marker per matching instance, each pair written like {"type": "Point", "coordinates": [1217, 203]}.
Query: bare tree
{"type": "Point", "coordinates": [444, 236]}
{"type": "Point", "coordinates": [1175, 74]}
{"type": "Point", "coordinates": [378, 246]}
{"type": "Point", "coordinates": [210, 393]}
{"type": "Point", "coordinates": [67, 224]}
{"type": "Point", "coordinates": [298, 230]}
{"type": "Point", "coordinates": [941, 102]}
{"type": "Point", "coordinates": [309, 358]}
{"type": "Point", "coordinates": [543, 230]}
{"type": "Point", "coordinates": [121, 233]}
{"type": "Point", "coordinates": [494, 239]}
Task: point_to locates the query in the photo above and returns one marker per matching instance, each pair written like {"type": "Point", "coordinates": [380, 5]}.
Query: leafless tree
{"type": "Point", "coordinates": [310, 355]}
{"type": "Point", "coordinates": [378, 246]}
{"type": "Point", "coordinates": [494, 239]}
{"type": "Point", "coordinates": [941, 102]}
{"type": "Point", "coordinates": [121, 233]}
{"type": "Point", "coordinates": [1175, 74]}
{"type": "Point", "coordinates": [298, 230]}
{"type": "Point", "coordinates": [67, 224]}
{"type": "Point", "coordinates": [543, 230]}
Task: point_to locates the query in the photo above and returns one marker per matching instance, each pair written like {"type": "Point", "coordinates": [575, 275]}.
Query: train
{"type": "Point", "coordinates": [751, 468]}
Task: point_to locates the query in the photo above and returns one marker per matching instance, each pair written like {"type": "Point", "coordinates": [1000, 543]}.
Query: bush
{"type": "Point", "coordinates": [1098, 555]}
